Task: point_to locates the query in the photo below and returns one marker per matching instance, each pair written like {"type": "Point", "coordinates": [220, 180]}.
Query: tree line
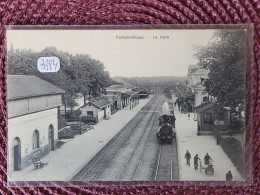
{"type": "Point", "coordinates": [225, 57]}
{"type": "Point", "coordinates": [78, 73]}
{"type": "Point", "coordinates": [154, 82]}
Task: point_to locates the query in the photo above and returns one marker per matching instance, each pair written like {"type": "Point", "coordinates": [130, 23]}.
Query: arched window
{"type": "Point", "coordinates": [36, 139]}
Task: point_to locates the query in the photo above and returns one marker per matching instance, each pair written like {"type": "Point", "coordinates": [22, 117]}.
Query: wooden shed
{"type": "Point", "coordinates": [210, 117]}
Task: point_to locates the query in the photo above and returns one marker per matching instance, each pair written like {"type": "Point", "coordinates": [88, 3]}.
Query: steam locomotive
{"type": "Point", "coordinates": [167, 119]}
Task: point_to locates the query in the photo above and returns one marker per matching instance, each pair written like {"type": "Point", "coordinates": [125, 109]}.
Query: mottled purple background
{"type": "Point", "coordinates": [125, 12]}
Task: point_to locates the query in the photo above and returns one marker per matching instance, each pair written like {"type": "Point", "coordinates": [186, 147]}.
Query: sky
{"type": "Point", "coordinates": [121, 57]}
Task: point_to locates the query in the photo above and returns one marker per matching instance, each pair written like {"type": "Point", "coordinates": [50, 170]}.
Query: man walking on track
{"type": "Point", "coordinates": [188, 157]}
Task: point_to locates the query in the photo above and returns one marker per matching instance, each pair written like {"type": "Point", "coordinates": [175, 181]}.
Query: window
{"type": "Point", "coordinates": [220, 116]}
{"type": "Point", "coordinates": [36, 139]}
{"type": "Point", "coordinates": [90, 113]}
{"type": "Point", "coordinates": [205, 99]}
{"type": "Point", "coordinates": [208, 118]}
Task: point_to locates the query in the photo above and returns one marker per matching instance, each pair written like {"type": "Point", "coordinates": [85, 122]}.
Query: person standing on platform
{"type": "Point", "coordinates": [206, 159]}
{"type": "Point", "coordinates": [229, 176]}
{"type": "Point", "coordinates": [196, 161]}
{"type": "Point", "coordinates": [188, 157]}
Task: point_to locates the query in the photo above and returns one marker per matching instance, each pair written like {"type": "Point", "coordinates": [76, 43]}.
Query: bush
{"type": "Point", "coordinates": [71, 117]}
{"type": "Point", "coordinates": [69, 135]}
{"type": "Point", "coordinates": [237, 126]}
{"type": "Point", "coordinates": [233, 148]}
{"type": "Point", "coordinates": [88, 119]}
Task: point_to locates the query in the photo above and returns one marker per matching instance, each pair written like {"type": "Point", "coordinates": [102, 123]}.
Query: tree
{"type": "Point", "coordinates": [81, 73]}
{"type": "Point", "coordinates": [78, 74]}
{"type": "Point", "coordinates": [225, 57]}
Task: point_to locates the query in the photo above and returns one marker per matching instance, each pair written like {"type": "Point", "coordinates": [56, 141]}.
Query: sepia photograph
{"type": "Point", "coordinates": [126, 104]}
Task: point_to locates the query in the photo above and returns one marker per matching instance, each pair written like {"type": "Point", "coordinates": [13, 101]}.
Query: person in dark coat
{"type": "Point", "coordinates": [229, 176]}
{"type": "Point", "coordinates": [188, 157]}
{"type": "Point", "coordinates": [196, 161]}
{"type": "Point", "coordinates": [206, 159]}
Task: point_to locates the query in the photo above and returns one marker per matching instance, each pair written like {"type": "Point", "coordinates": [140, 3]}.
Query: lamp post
{"type": "Point", "coordinates": [217, 132]}
{"type": "Point", "coordinates": [80, 116]}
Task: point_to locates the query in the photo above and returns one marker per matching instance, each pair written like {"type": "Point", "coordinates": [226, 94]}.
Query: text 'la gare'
{"type": "Point", "coordinates": [161, 37]}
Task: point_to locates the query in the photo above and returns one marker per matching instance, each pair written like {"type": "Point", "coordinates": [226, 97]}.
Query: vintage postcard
{"type": "Point", "coordinates": [126, 104]}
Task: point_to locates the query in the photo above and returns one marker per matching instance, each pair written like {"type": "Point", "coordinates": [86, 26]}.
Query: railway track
{"type": "Point", "coordinates": [134, 160]}
{"type": "Point", "coordinates": [127, 154]}
{"type": "Point", "coordinates": [96, 166]}
{"type": "Point", "coordinates": [167, 164]}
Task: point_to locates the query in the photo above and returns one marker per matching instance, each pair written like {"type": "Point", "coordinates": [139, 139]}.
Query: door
{"type": "Point", "coordinates": [17, 154]}
{"type": "Point", "coordinates": [115, 104]}
{"type": "Point", "coordinates": [105, 113]}
{"type": "Point", "coordinates": [51, 138]}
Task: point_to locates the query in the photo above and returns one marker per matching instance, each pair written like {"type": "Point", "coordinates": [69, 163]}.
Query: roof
{"type": "Point", "coordinates": [204, 106]}
{"type": "Point", "coordinates": [184, 92]}
{"type": "Point", "coordinates": [201, 72]}
{"type": "Point", "coordinates": [207, 105]}
{"type": "Point", "coordinates": [99, 103]}
{"type": "Point", "coordinates": [143, 92]}
{"type": "Point", "coordinates": [116, 87]}
{"type": "Point", "coordinates": [125, 83]}
{"type": "Point", "coordinates": [192, 68]}
{"type": "Point", "coordinates": [130, 92]}
{"type": "Point", "coordinates": [25, 86]}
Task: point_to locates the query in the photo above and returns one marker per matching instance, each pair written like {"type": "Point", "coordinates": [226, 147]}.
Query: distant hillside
{"type": "Point", "coordinates": [148, 82]}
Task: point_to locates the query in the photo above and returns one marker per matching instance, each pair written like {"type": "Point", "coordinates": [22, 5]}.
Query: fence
{"type": "Point", "coordinates": [216, 134]}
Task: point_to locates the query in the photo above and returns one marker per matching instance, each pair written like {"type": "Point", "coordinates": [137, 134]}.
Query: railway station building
{"type": "Point", "coordinates": [195, 82]}
{"type": "Point", "coordinates": [143, 94]}
{"type": "Point", "coordinates": [185, 99]}
{"type": "Point", "coordinates": [32, 119]}
{"type": "Point", "coordinates": [132, 99]}
{"type": "Point", "coordinates": [121, 97]}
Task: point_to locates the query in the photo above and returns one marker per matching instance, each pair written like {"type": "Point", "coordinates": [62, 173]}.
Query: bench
{"type": "Point", "coordinates": [86, 128]}
{"type": "Point", "coordinates": [89, 127]}
{"type": "Point", "coordinates": [37, 163]}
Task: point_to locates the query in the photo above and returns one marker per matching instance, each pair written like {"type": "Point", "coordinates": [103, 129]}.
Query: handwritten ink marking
{"type": "Point", "coordinates": [48, 64]}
